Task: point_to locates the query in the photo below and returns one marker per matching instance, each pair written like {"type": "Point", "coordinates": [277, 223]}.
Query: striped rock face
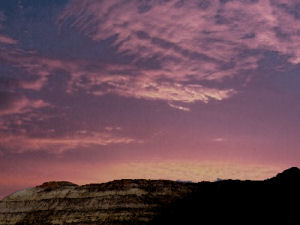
{"type": "Point", "coordinates": [116, 202]}
{"type": "Point", "coordinates": [157, 202]}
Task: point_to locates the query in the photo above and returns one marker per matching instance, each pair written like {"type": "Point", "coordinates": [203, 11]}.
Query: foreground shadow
{"type": "Point", "coordinates": [273, 201]}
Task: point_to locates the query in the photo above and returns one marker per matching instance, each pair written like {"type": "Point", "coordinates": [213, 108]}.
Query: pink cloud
{"type": "Point", "coordinates": [179, 32]}
{"type": "Point", "coordinates": [179, 107]}
{"type": "Point", "coordinates": [167, 30]}
{"type": "Point", "coordinates": [21, 105]}
{"type": "Point", "coordinates": [36, 65]}
{"type": "Point", "coordinates": [144, 85]}
{"type": "Point", "coordinates": [24, 143]}
{"type": "Point", "coordinates": [191, 44]}
{"type": "Point", "coordinates": [148, 89]}
{"type": "Point", "coordinates": [219, 139]}
{"type": "Point", "coordinates": [7, 40]}
{"type": "Point", "coordinates": [164, 31]}
{"type": "Point", "coordinates": [112, 128]}
{"type": "Point", "coordinates": [187, 40]}
{"type": "Point", "coordinates": [36, 85]}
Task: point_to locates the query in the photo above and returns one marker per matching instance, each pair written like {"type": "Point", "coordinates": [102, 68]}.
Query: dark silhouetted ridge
{"type": "Point", "coordinates": [290, 175]}
{"type": "Point", "coordinates": [273, 201]}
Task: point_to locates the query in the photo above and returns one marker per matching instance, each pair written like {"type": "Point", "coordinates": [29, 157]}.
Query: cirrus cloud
{"type": "Point", "coordinates": [193, 31]}
{"type": "Point", "coordinates": [107, 78]}
{"type": "Point", "coordinates": [193, 41]}
{"type": "Point", "coordinates": [7, 40]}
{"type": "Point", "coordinates": [12, 103]}
{"type": "Point", "coordinates": [174, 47]}
{"type": "Point", "coordinates": [25, 143]}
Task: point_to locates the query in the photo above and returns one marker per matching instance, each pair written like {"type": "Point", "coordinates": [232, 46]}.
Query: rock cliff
{"type": "Point", "coordinates": [157, 202]}
{"type": "Point", "coordinates": [117, 202]}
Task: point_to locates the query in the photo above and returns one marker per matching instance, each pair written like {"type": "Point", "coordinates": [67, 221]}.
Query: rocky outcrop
{"type": "Point", "coordinates": [157, 202]}
{"type": "Point", "coordinates": [117, 202]}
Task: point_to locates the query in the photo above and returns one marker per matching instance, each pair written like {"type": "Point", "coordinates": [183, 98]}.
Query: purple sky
{"type": "Point", "coordinates": [96, 90]}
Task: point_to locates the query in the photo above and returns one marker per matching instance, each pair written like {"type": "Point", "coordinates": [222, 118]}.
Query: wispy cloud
{"type": "Point", "coordinates": [190, 40]}
{"type": "Point", "coordinates": [39, 67]}
{"type": "Point", "coordinates": [11, 103]}
{"type": "Point", "coordinates": [25, 143]}
{"type": "Point", "coordinates": [183, 43]}
{"type": "Point", "coordinates": [184, 39]}
{"type": "Point", "coordinates": [219, 139]}
{"type": "Point", "coordinates": [187, 30]}
{"type": "Point", "coordinates": [7, 40]}
{"type": "Point", "coordinates": [111, 78]}
{"type": "Point", "coordinates": [148, 89]}
{"type": "Point", "coordinates": [179, 107]}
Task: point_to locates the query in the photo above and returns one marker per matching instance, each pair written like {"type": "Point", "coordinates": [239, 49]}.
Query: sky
{"type": "Point", "coordinates": [97, 90]}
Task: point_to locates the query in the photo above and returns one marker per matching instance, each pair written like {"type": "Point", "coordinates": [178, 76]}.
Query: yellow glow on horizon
{"type": "Point", "coordinates": [195, 171]}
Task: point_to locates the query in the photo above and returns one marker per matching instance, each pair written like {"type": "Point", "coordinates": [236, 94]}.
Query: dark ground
{"type": "Point", "coordinates": [273, 201]}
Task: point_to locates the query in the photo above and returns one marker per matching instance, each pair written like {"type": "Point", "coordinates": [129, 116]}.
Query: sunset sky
{"type": "Point", "coordinates": [97, 90]}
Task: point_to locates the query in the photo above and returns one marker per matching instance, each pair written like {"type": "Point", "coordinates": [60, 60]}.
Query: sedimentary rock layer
{"type": "Point", "coordinates": [117, 202]}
